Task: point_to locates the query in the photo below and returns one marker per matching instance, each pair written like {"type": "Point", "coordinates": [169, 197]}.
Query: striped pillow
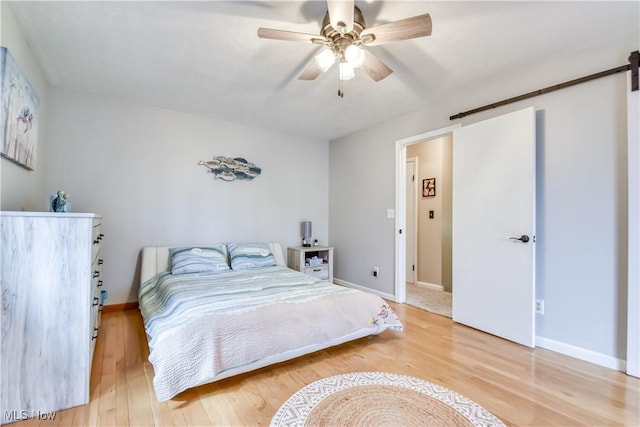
{"type": "Point", "coordinates": [188, 260]}
{"type": "Point", "coordinates": [250, 255]}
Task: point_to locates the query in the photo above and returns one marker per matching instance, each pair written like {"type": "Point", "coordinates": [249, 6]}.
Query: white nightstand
{"type": "Point", "coordinates": [296, 260]}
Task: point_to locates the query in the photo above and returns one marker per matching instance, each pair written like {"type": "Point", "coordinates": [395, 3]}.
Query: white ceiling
{"type": "Point", "coordinates": [205, 58]}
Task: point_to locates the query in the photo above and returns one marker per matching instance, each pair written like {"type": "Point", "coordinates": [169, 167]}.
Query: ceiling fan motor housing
{"type": "Point", "coordinates": [340, 41]}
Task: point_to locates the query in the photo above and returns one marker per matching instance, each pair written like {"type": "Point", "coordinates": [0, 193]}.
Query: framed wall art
{"type": "Point", "coordinates": [429, 187]}
{"type": "Point", "coordinates": [19, 113]}
{"type": "Point", "coordinates": [230, 169]}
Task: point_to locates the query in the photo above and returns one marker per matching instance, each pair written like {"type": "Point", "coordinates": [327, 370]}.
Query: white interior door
{"type": "Point", "coordinates": [411, 220]}
{"type": "Point", "coordinates": [633, 279]}
{"type": "Point", "coordinates": [494, 202]}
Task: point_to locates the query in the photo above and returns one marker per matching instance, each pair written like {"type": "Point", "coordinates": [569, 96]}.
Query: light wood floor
{"type": "Point", "coordinates": [521, 386]}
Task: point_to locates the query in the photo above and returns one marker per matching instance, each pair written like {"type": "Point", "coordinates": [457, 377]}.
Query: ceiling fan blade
{"type": "Point", "coordinates": [293, 36]}
{"type": "Point", "coordinates": [311, 73]}
{"type": "Point", "coordinates": [404, 29]}
{"type": "Point", "coordinates": [341, 14]}
{"type": "Point", "coordinates": [374, 68]}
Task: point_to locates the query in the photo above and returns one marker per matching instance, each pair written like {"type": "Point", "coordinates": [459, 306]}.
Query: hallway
{"type": "Point", "coordinates": [438, 302]}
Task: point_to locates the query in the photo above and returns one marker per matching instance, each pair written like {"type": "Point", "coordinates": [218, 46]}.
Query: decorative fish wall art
{"type": "Point", "coordinates": [229, 169]}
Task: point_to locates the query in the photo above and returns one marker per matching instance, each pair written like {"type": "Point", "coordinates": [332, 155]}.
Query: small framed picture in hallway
{"type": "Point", "coordinates": [429, 187]}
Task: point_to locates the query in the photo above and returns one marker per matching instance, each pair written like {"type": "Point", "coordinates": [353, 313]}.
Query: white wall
{"type": "Point", "coordinates": [361, 189]}
{"type": "Point", "coordinates": [137, 166]}
{"type": "Point", "coordinates": [582, 230]}
{"type": "Point", "coordinates": [20, 188]}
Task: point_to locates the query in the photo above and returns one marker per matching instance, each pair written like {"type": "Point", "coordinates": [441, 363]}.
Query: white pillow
{"type": "Point", "coordinates": [250, 255]}
{"type": "Point", "coordinates": [189, 260]}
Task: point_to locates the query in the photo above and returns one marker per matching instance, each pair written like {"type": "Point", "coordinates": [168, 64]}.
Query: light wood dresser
{"type": "Point", "coordinates": [50, 278]}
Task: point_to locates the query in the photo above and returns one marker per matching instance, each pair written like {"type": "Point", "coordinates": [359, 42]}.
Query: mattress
{"type": "Point", "coordinates": [202, 328]}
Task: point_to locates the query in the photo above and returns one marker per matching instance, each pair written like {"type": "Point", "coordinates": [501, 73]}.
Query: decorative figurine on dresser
{"type": "Point", "coordinates": [59, 202]}
{"type": "Point", "coordinates": [50, 276]}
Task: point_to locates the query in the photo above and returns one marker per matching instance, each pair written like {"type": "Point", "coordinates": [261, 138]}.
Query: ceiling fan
{"type": "Point", "coordinates": [344, 33]}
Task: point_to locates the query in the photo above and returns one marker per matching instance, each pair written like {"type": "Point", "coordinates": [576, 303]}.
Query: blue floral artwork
{"type": "Point", "coordinates": [229, 169]}
{"type": "Point", "coordinates": [19, 113]}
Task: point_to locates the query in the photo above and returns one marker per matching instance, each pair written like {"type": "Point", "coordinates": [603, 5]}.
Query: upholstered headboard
{"type": "Point", "coordinates": [156, 259]}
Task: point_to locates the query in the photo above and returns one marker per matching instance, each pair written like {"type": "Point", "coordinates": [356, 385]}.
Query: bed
{"type": "Point", "coordinates": [211, 312]}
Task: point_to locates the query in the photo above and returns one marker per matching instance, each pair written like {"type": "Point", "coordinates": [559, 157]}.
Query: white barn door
{"type": "Point", "coordinates": [494, 206]}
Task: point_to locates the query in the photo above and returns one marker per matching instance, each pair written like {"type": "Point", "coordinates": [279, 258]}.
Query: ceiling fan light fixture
{"type": "Point", "coordinates": [346, 71]}
{"type": "Point", "coordinates": [344, 35]}
{"type": "Point", "coordinates": [354, 55]}
{"type": "Point", "coordinates": [325, 59]}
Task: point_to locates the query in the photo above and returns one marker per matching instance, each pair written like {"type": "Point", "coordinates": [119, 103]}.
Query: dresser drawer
{"type": "Point", "coordinates": [95, 325]}
{"type": "Point", "coordinates": [96, 239]}
{"type": "Point", "coordinates": [96, 267]}
{"type": "Point", "coordinates": [319, 271]}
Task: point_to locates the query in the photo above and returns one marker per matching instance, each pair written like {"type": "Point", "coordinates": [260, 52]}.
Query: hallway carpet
{"type": "Point", "coordinates": [438, 302]}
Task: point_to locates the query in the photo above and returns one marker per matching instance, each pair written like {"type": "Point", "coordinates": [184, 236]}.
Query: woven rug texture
{"type": "Point", "coordinates": [380, 398]}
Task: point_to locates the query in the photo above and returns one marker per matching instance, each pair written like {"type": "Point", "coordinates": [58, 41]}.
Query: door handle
{"type": "Point", "coordinates": [524, 238]}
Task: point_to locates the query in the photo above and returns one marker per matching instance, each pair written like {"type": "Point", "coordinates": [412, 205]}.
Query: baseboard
{"type": "Point", "coordinates": [430, 286]}
{"type": "Point", "coordinates": [582, 353]}
{"type": "Point", "coordinates": [383, 295]}
{"type": "Point", "coordinates": [120, 307]}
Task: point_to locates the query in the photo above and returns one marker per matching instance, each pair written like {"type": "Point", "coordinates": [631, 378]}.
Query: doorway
{"type": "Point", "coordinates": [494, 181]}
{"type": "Point", "coordinates": [428, 231]}
{"type": "Point", "coordinates": [401, 200]}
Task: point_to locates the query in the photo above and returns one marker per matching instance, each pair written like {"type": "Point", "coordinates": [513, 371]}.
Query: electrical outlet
{"type": "Point", "coordinates": [375, 271]}
{"type": "Point", "coordinates": [540, 306]}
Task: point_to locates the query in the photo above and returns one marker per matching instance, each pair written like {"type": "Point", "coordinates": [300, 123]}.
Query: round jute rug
{"type": "Point", "coordinates": [377, 399]}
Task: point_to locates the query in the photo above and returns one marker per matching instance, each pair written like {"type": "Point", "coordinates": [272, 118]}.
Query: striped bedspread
{"type": "Point", "coordinates": [200, 326]}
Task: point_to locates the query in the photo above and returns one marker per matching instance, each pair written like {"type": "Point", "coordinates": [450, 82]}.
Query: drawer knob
{"type": "Point", "coordinates": [96, 301]}
{"type": "Point", "coordinates": [95, 333]}
{"type": "Point", "coordinates": [100, 262]}
{"type": "Point", "coordinates": [99, 283]}
{"type": "Point", "coordinates": [96, 274]}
